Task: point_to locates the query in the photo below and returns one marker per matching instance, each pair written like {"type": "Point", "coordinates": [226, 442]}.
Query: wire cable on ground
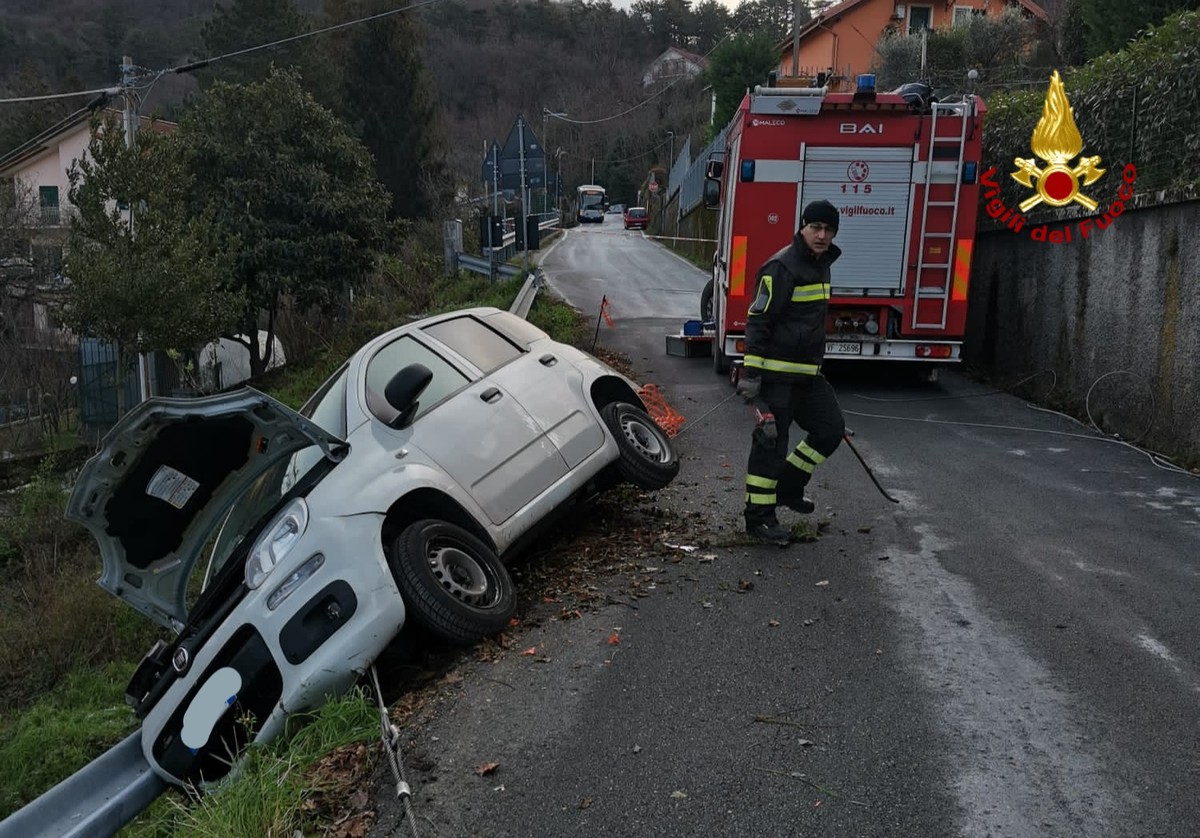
{"type": "Point", "coordinates": [391, 744]}
{"type": "Point", "coordinates": [1157, 458]}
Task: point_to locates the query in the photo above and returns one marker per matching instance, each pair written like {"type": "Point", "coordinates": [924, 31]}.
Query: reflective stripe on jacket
{"type": "Point", "coordinates": [785, 327]}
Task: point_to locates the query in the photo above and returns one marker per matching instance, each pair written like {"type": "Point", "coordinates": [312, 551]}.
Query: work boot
{"type": "Point", "coordinates": [796, 503]}
{"type": "Point", "coordinates": [768, 529]}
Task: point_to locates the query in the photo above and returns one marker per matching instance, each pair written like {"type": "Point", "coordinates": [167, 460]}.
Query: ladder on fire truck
{"type": "Point", "coordinates": [929, 287]}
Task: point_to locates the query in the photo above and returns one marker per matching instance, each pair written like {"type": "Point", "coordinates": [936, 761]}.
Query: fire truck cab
{"type": "Point", "coordinates": [903, 171]}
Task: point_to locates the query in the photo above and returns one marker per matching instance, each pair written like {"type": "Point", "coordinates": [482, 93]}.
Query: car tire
{"type": "Point", "coordinates": [453, 584]}
{"type": "Point", "coordinates": [648, 458]}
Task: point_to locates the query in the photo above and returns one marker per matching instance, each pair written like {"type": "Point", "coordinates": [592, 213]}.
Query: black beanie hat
{"type": "Point", "coordinates": [822, 212]}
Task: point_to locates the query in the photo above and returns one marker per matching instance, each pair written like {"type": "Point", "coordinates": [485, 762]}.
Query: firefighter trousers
{"type": "Point", "coordinates": [779, 472]}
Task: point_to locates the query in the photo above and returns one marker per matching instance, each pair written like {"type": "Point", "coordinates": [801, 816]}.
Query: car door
{"type": "Point", "coordinates": [549, 388]}
{"type": "Point", "coordinates": [473, 428]}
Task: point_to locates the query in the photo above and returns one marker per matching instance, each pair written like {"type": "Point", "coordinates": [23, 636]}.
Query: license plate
{"type": "Point", "coordinates": [843, 348]}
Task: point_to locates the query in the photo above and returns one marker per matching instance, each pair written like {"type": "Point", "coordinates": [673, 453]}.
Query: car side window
{"type": "Point", "coordinates": [399, 354]}
{"type": "Point", "coordinates": [479, 344]}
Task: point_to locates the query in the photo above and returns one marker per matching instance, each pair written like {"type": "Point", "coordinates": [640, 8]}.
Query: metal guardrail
{"type": "Point", "coordinates": [482, 265]}
{"type": "Point", "coordinates": [525, 297]}
{"type": "Point", "coordinates": [95, 801]}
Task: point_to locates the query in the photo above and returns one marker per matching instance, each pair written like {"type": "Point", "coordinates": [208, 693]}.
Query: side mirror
{"type": "Point", "coordinates": [712, 193]}
{"type": "Point", "coordinates": [402, 392]}
{"type": "Point", "coordinates": [714, 169]}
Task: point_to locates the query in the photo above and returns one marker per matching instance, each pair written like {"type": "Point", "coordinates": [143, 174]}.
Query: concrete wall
{"type": "Point", "coordinates": [1116, 316]}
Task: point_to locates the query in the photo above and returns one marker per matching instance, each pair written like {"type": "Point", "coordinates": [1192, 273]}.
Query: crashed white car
{"type": "Point", "coordinates": [437, 449]}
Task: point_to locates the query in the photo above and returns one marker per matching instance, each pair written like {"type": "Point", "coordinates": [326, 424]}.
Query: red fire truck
{"type": "Point", "coordinates": [903, 171]}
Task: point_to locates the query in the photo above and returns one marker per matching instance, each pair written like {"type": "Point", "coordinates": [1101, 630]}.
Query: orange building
{"type": "Point", "coordinates": [840, 41]}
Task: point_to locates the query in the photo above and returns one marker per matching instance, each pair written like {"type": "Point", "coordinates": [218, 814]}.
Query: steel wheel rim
{"type": "Point", "coordinates": [462, 575]}
{"type": "Point", "coordinates": [643, 438]}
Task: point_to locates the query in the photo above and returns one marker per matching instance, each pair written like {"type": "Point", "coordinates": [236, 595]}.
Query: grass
{"type": "Point", "coordinates": [62, 732]}
{"type": "Point", "coordinates": [281, 787]}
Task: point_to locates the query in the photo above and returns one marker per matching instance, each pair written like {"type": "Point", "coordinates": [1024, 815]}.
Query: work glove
{"type": "Point", "coordinates": [765, 431]}
{"type": "Point", "coordinates": [748, 387]}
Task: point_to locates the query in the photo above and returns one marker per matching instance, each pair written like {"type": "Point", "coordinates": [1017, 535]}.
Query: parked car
{"type": "Point", "coordinates": [398, 491]}
{"type": "Point", "coordinates": [616, 209]}
{"type": "Point", "coordinates": [593, 213]}
{"type": "Point", "coordinates": [636, 218]}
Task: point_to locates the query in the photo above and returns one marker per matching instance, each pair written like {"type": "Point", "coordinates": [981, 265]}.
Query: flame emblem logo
{"type": "Point", "coordinates": [1056, 140]}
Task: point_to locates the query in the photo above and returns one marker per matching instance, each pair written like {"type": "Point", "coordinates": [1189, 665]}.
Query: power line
{"type": "Point", "coordinates": [196, 65]}
{"type": "Point", "coordinates": [112, 91]}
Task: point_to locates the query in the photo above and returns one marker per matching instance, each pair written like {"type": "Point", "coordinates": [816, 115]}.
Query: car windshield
{"type": "Point", "coordinates": [637, 213]}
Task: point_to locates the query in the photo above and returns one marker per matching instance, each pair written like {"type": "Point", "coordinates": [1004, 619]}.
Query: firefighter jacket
{"type": "Point", "coordinates": [785, 329]}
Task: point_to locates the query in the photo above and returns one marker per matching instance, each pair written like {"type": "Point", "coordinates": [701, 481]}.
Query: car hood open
{"type": "Point", "coordinates": [166, 476]}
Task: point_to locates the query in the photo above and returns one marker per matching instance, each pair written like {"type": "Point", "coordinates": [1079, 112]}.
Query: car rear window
{"type": "Point", "coordinates": [637, 213]}
{"type": "Point", "coordinates": [482, 346]}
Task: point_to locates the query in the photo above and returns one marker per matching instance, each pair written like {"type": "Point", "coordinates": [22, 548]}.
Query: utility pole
{"type": "Point", "coordinates": [796, 39]}
{"type": "Point", "coordinates": [130, 120]}
{"type": "Point", "coordinates": [546, 114]}
{"type": "Point", "coordinates": [524, 192]}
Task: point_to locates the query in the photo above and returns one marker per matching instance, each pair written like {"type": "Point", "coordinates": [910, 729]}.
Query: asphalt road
{"type": "Point", "coordinates": [1012, 650]}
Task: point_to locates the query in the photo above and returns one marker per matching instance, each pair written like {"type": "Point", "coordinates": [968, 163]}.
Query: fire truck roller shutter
{"type": "Point", "coordinates": [872, 189]}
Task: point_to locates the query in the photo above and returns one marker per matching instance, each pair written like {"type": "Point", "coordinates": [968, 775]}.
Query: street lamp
{"type": "Point", "coordinates": [546, 114]}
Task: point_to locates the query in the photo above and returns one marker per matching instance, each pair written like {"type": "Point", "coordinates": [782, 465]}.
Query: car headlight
{"type": "Point", "coordinates": [275, 542]}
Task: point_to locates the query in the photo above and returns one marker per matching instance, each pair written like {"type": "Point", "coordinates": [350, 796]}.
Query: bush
{"type": "Point", "coordinates": [1133, 106]}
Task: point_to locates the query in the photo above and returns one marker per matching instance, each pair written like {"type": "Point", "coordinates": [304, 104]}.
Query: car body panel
{"type": "Point", "coordinates": [332, 669]}
{"type": "Point", "coordinates": [166, 476]}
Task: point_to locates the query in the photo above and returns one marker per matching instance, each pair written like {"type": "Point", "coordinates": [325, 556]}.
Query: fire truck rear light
{"type": "Point", "coordinates": [970, 171]}
{"type": "Point", "coordinates": [924, 351]}
{"type": "Point", "coordinates": [739, 346]}
{"type": "Point", "coordinates": [747, 170]}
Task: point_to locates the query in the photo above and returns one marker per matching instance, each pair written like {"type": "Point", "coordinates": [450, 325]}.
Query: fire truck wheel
{"type": "Point", "coordinates": [648, 460]}
{"type": "Point", "coordinates": [706, 303]}
{"type": "Point", "coordinates": [720, 359]}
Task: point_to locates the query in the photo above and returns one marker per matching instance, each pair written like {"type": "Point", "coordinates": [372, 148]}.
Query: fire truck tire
{"type": "Point", "coordinates": [720, 359]}
{"type": "Point", "coordinates": [648, 459]}
{"type": "Point", "coordinates": [706, 303]}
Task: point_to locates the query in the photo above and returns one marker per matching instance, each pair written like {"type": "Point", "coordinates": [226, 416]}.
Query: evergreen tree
{"type": "Point", "coordinates": [143, 271]}
{"type": "Point", "coordinates": [1112, 24]}
{"type": "Point", "coordinates": [736, 65]}
{"type": "Point", "coordinates": [389, 99]}
{"type": "Point", "coordinates": [293, 195]}
{"type": "Point", "coordinates": [249, 23]}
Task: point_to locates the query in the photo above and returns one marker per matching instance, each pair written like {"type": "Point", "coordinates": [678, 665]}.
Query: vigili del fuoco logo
{"type": "Point", "coordinates": [1056, 142]}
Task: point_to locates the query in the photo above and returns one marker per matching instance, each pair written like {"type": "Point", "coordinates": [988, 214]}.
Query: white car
{"type": "Point", "coordinates": [437, 449]}
{"type": "Point", "coordinates": [593, 213]}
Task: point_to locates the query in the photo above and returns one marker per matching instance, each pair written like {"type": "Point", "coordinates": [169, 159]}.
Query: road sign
{"type": "Point", "coordinates": [521, 137]}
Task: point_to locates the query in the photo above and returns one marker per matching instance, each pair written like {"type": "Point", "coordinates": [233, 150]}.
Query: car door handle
{"type": "Point", "coordinates": [491, 395]}
{"type": "Point", "coordinates": [547, 360]}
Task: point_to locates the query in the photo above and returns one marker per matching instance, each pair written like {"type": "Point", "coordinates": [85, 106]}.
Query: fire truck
{"type": "Point", "coordinates": [903, 170]}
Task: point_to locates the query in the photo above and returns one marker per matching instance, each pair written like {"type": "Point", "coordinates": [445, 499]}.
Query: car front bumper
{"type": "Point", "coordinates": [261, 665]}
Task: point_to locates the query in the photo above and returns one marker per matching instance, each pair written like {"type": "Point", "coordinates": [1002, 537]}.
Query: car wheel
{"type": "Point", "coordinates": [453, 584]}
{"type": "Point", "coordinates": [647, 459]}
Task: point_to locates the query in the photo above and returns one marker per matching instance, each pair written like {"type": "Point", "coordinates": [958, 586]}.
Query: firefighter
{"type": "Point", "coordinates": [781, 374]}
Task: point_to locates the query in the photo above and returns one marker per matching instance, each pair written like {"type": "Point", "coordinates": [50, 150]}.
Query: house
{"type": "Point", "coordinates": [673, 64]}
{"type": "Point", "coordinates": [840, 41]}
{"type": "Point", "coordinates": [37, 179]}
